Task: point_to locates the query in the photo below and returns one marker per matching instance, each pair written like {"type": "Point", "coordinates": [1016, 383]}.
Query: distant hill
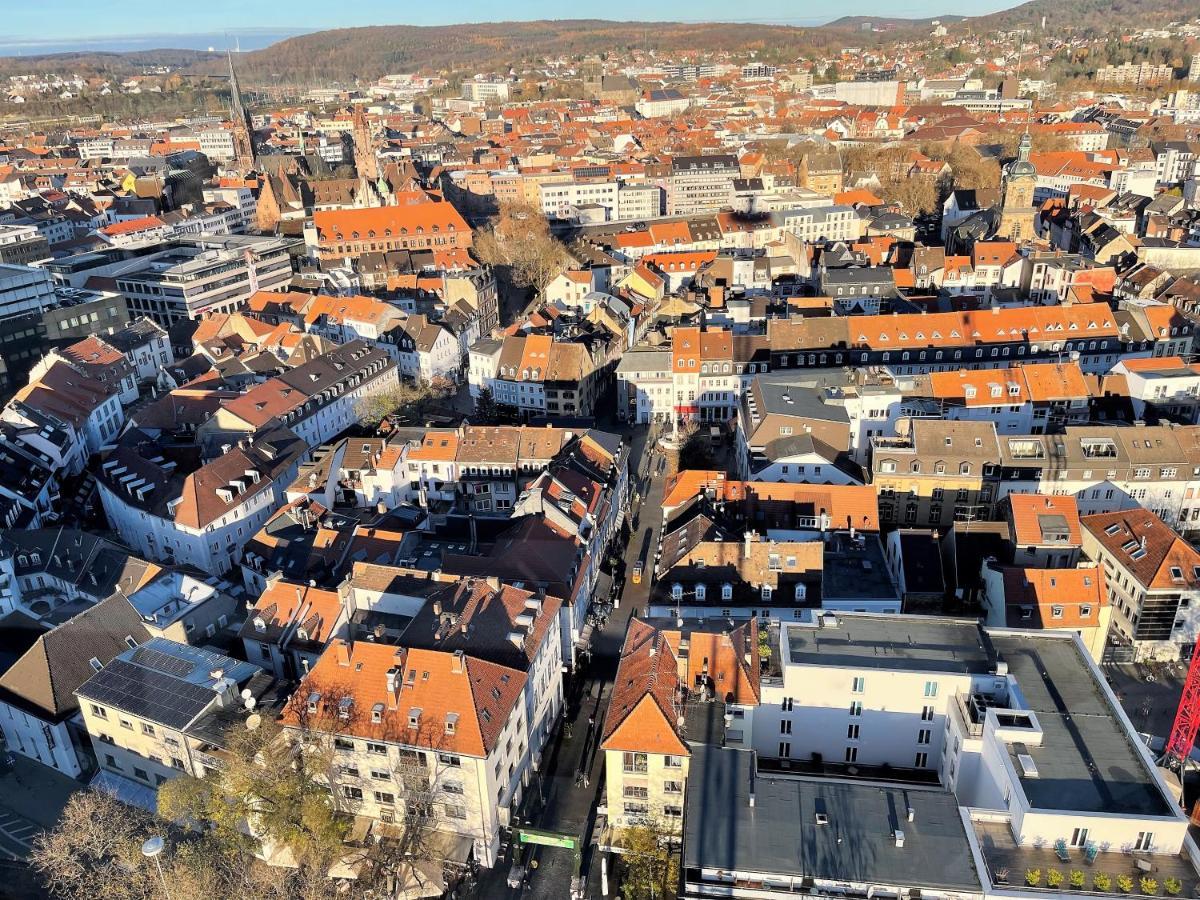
{"type": "Point", "coordinates": [127, 63]}
{"type": "Point", "coordinates": [890, 22]}
{"type": "Point", "coordinates": [349, 56]}
{"type": "Point", "coordinates": [364, 54]}
{"type": "Point", "coordinates": [1100, 15]}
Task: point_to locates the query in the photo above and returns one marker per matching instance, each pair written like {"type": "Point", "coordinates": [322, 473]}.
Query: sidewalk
{"type": "Point", "coordinates": [36, 792]}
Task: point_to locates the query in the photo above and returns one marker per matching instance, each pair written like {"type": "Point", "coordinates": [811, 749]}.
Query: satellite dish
{"type": "Point", "coordinates": [246, 695]}
{"type": "Point", "coordinates": [251, 703]}
{"type": "Point", "coordinates": [252, 722]}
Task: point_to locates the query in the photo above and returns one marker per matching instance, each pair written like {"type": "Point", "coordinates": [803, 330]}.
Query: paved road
{"type": "Point", "coordinates": [562, 801]}
{"type": "Point", "coordinates": [1150, 705]}
{"type": "Point", "coordinates": [16, 835]}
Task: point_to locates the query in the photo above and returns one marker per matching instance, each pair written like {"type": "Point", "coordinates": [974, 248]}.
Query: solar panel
{"type": "Point", "coordinates": [162, 662]}
{"type": "Point", "coordinates": [149, 694]}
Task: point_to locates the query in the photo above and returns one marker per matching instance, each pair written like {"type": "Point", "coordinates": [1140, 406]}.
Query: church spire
{"type": "Point", "coordinates": [243, 127]}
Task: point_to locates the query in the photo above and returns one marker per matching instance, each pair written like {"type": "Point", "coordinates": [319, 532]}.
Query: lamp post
{"type": "Point", "coordinates": [152, 848]}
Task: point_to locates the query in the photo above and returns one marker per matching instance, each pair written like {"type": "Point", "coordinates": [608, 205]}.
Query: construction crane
{"type": "Point", "coordinates": [1187, 717]}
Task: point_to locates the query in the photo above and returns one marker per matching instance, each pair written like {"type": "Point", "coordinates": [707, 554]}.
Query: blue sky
{"type": "Point", "coordinates": [31, 26]}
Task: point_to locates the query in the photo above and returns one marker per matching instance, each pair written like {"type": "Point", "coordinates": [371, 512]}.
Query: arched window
{"type": "Point", "coordinates": [801, 591]}
{"type": "Point", "coordinates": [727, 591]}
{"type": "Point", "coordinates": [701, 591]}
{"type": "Point", "coordinates": [677, 591]}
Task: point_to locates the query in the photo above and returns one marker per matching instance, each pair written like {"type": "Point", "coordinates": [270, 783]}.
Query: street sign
{"type": "Point", "coordinates": [547, 839]}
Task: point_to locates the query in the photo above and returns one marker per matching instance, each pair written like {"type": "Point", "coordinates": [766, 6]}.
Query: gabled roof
{"type": "Point", "coordinates": [44, 680]}
{"type": "Point", "coordinates": [444, 701]}
{"type": "Point", "coordinates": [1145, 545]}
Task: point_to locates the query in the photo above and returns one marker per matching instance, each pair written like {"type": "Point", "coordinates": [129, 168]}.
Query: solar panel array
{"type": "Point", "coordinates": [162, 662]}
{"type": "Point", "coordinates": [149, 694]}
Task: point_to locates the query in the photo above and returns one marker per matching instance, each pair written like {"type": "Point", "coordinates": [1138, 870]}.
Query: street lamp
{"type": "Point", "coordinates": [152, 848]}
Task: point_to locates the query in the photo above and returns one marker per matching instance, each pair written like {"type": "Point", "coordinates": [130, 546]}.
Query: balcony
{"type": "Point", "coordinates": [1008, 861]}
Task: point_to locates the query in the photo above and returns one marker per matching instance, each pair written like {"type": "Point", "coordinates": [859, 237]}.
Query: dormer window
{"type": "Point", "coordinates": [727, 591]}
{"type": "Point", "coordinates": [414, 717]}
{"type": "Point", "coordinates": [95, 664]}
{"type": "Point", "coordinates": [451, 723]}
{"type": "Point", "coordinates": [801, 591]}
{"type": "Point", "coordinates": [701, 591]}
{"type": "Point", "coordinates": [259, 624]}
{"type": "Point", "coordinates": [377, 713]}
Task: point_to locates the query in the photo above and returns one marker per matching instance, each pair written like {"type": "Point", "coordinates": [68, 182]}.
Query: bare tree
{"type": "Point", "coordinates": [518, 241]}
{"type": "Point", "coordinates": [95, 849]}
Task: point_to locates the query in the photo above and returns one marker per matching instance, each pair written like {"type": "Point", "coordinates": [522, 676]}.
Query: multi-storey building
{"type": "Point", "coordinates": [1002, 751]}
{"type": "Point", "coordinates": [196, 515]}
{"type": "Point", "coordinates": [316, 400]}
{"type": "Point", "coordinates": [1153, 581]}
{"type": "Point", "coordinates": [702, 184]}
{"type": "Point", "coordinates": [145, 710]}
{"type": "Point", "coordinates": [909, 344]}
{"type": "Point", "coordinates": [340, 234]}
{"type": "Point", "coordinates": [650, 725]}
{"type": "Point", "coordinates": [443, 732]}
{"type": "Point", "coordinates": [190, 278]}
{"type": "Point", "coordinates": [935, 472]}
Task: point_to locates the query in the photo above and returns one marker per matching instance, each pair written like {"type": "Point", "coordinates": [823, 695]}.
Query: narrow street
{"type": "Point", "coordinates": [562, 801]}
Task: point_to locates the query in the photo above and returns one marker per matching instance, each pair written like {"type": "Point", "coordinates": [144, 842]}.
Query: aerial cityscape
{"type": "Point", "coordinates": [572, 459]}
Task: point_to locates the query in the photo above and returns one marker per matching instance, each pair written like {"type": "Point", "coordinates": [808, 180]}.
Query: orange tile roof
{"type": "Point", "coordinates": [343, 224]}
{"type": "Point", "coordinates": [1027, 513]}
{"type": "Point", "coordinates": [1125, 533]}
{"type": "Point", "coordinates": [846, 505]}
{"type": "Point", "coordinates": [477, 697]}
{"type": "Point", "coordinates": [1054, 598]}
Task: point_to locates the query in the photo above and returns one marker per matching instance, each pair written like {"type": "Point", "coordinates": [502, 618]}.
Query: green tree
{"type": "Point", "coordinates": [273, 781]}
{"type": "Point", "coordinates": [651, 863]}
{"type": "Point", "coordinates": [411, 400]}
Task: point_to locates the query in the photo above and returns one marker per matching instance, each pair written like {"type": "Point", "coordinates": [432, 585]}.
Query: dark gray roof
{"type": "Point", "coordinates": [780, 833]}
{"type": "Point", "coordinates": [1086, 760]}
{"type": "Point", "coordinates": [885, 642]}
{"type": "Point", "coordinates": [163, 681]}
{"type": "Point", "coordinates": [44, 679]}
{"type": "Point", "coordinates": [922, 561]}
{"type": "Point", "coordinates": [779, 397]}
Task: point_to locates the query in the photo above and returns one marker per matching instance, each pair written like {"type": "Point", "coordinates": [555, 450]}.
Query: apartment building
{"type": "Point", "coordinates": [317, 400]}
{"type": "Point", "coordinates": [39, 712]}
{"type": "Point", "coordinates": [650, 725]}
{"type": "Point", "coordinates": [1029, 399]}
{"type": "Point", "coordinates": [1153, 581]}
{"type": "Point", "coordinates": [540, 375]}
{"type": "Point", "coordinates": [789, 433]}
{"type": "Point", "coordinates": [1072, 600]}
{"type": "Point", "coordinates": [145, 711]}
{"type": "Point", "coordinates": [908, 344]}
{"type": "Point", "coordinates": [290, 625]}
{"type": "Point", "coordinates": [822, 223]}
{"type": "Point", "coordinates": [701, 184]}
{"type": "Point", "coordinates": [1109, 468]}
{"type": "Point", "coordinates": [172, 509]}
{"type": "Point", "coordinates": [1165, 385]}
{"type": "Point", "coordinates": [568, 199]}
{"type": "Point", "coordinates": [443, 739]}
{"type": "Point", "coordinates": [934, 473]}
{"type": "Point", "coordinates": [1003, 750]}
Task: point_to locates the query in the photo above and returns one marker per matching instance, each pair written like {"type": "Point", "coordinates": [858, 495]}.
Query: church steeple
{"type": "Point", "coordinates": [243, 128]}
